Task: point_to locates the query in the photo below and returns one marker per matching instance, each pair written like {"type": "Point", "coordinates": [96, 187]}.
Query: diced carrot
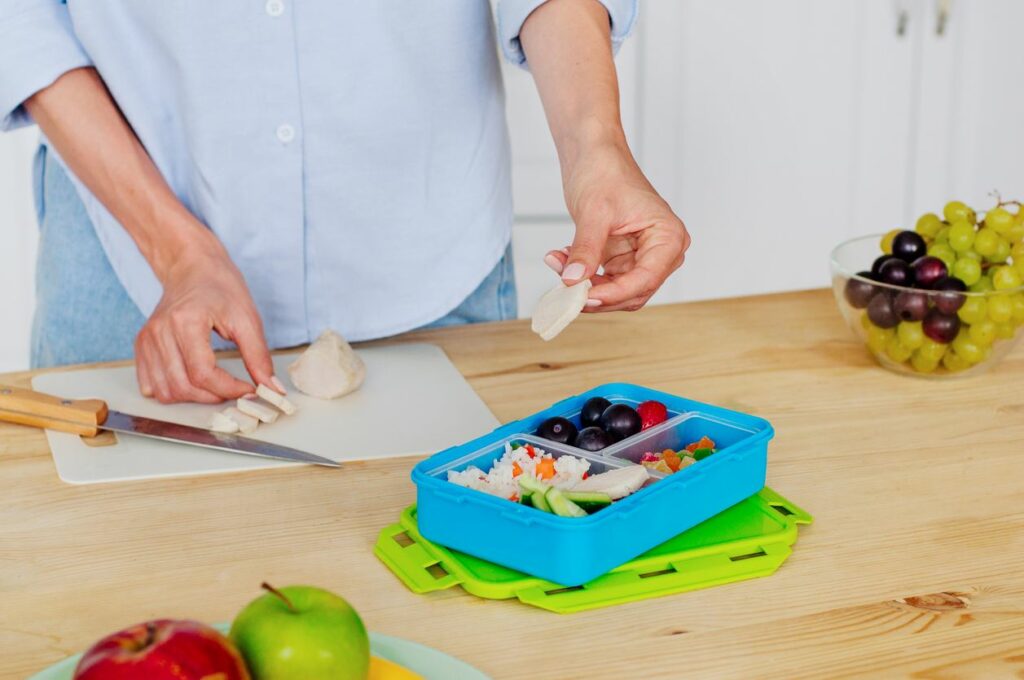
{"type": "Point", "coordinates": [516, 470]}
{"type": "Point", "coordinates": [672, 459]}
{"type": "Point", "coordinates": [530, 451]}
{"type": "Point", "coordinates": [546, 468]}
{"type": "Point", "coordinates": [704, 443]}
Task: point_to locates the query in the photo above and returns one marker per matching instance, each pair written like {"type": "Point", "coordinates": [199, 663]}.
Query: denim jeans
{"type": "Point", "coordinates": [83, 313]}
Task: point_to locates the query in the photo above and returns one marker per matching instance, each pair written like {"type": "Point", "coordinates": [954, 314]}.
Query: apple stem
{"type": "Point", "coordinates": [150, 635]}
{"type": "Point", "coordinates": [277, 593]}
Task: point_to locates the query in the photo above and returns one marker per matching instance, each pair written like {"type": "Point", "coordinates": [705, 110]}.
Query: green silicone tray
{"type": "Point", "coordinates": [750, 539]}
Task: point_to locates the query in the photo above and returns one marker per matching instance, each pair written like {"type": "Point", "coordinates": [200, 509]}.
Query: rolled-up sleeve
{"type": "Point", "coordinates": [37, 45]}
{"type": "Point", "coordinates": [512, 15]}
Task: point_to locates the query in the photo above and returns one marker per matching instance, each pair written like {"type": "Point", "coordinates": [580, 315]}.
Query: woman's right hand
{"type": "Point", "coordinates": [174, 357]}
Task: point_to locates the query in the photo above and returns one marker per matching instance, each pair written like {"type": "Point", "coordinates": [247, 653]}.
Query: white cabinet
{"type": "Point", "coordinates": [777, 129]}
{"type": "Point", "coordinates": [969, 140]}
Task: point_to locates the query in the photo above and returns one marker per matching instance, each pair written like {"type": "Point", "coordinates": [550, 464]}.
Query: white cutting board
{"type": "Point", "coordinates": [414, 402]}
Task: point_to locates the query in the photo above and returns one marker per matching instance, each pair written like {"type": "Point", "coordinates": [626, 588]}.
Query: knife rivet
{"type": "Point", "coordinates": [65, 402]}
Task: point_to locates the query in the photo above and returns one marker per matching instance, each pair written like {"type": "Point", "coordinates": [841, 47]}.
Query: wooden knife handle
{"type": "Point", "coordinates": [77, 416]}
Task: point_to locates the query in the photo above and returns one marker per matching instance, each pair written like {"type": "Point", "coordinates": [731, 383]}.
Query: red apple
{"type": "Point", "coordinates": [163, 649]}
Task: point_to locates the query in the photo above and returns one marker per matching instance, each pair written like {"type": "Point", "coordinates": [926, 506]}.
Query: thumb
{"type": "Point", "coordinates": [584, 255]}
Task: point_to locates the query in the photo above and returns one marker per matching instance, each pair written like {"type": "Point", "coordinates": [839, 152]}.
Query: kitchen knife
{"type": "Point", "coordinates": [87, 417]}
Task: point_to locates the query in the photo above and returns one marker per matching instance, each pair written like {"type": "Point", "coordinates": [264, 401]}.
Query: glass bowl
{"type": "Point", "coordinates": [980, 327]}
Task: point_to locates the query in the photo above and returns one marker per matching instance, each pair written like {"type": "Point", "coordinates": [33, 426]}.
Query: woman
{"type": "Point", "coordinates": [264, 170]}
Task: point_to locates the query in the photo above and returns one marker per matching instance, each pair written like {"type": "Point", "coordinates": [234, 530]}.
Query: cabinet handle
{"type": "Point", "coordinates": [942, 17]}
{"type": "Point", "coordinates": [902, 19]}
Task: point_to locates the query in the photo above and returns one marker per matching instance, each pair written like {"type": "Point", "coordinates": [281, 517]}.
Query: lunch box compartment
{"type": "Point", "coordinates": [574, 550]}
{"type": "Point", "coordinates": [677, 434]}
{"type": "Point", "coordinates": [485, 457]}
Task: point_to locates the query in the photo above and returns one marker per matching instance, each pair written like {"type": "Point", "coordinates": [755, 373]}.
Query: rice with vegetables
{"type": "Point", "coordinates": [502, 480]}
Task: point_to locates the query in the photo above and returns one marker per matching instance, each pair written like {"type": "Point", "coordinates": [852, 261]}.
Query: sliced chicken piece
{"type": "Point", "coordinates": [328, 369]}
{"type": "Point", "coordinates": [278, 400]}
{"type": "Point", "coordinates": [246, 423]}
{"type": "Point", "coordinates": [260, 410]}
{"type": "Point", "coordinates": [558, 308]}
{"type": "Point", "coordinates": [222, 423]}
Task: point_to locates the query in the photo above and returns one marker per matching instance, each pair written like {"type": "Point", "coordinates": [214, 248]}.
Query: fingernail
{"type": "Point", "coordinates": [592, 302]}
{"type": "Point", "coordinates": [565, 250]}
{"type": "Point", "coordinates": [574, 272]}
{"type": "Point", "coordinates": [278, 385]}
{"type": "Point", "coordinates": [249, 395]}
{"type": "Point", "coordinates": [553, 262]}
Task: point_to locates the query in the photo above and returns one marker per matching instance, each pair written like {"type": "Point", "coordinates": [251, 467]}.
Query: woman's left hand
{"type": "Point", "coordinates": [624, 229]}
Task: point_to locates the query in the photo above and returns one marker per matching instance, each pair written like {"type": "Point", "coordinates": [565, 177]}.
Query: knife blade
{"type": "Point", "coordinates": [87, 417]}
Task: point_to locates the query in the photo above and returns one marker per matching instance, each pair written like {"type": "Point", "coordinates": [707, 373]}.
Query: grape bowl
{"type": "Point", "coordinates": [944, 300]}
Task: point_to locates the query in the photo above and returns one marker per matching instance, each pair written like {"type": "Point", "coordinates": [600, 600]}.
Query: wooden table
{"type": "Point", "coordinates": [914, 566]}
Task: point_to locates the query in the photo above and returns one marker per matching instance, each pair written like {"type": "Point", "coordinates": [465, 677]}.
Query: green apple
{"type": "Point", "coordinates": [299, 633]}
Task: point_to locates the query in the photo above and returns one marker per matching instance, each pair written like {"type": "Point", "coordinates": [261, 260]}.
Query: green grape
{"type": "Point", "coordinates": [1004, 331]}
{"type": "Point", "coordinates": [969, 350]}
{"type": "Point", "coordinates": [1018, 264]}
{"type": "Point", "coordinates": [1016, 233]}
{"type": "Point", "coordinates": [971, 255]}
{"type": "Point", "coordinates": [931, 349]}
{"type": "Point", "coordinates": [942, 236]}
{"type": "Point", "coordinates": [1002, 253]}
{"type": "Point", "coordinates": [974, 309]}
{"type": "Point", "coordinates": [967, 270]}
{"type": "Point", "coordinates": [943, 252]}
{"type": "Point", "coordinates": [1017, 250]}
{"type": "Point", "coordinates": [958, 211]}
{"type": "Point", "coordinates": [1006, 278]}
{"type": "Point", "coordinates": [983, 285]}
{"type": "Point", "coordinates": [986, 242]}
{"type": "Point", "coordinates": [897, 351]}
{"type": "Point", "coordinates": [923, 364]}
{"type": "Point", "coordinates": [961, 236]}
{"type": "Point", "coordinates": [910, 334]}
{"type": "Point", "coordinates": [1000, 308]}
{"type": "Point", "coordinates": [983, 332]}
{"type": "Point", "coordinates": [865, 321]}
{"type": "Point", "coordinates": [999, 220]}
{"type": "Point", "coordinates": [954, 362]}
{"type": "Point", "coordinates": [1018, 308]}
{"type": "Point", "coordinates": [887, 241]}
{"type": "Point", "coordinates": [929, 224]}
{"type": "Point", "coordinates": [877, 338]}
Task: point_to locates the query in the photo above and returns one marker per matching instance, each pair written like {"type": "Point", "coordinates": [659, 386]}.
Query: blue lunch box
{"type": "Point", "coordinates": [574, 550]}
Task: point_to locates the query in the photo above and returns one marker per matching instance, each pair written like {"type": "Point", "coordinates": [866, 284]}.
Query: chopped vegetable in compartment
{"type": "Point", "coordinates": [669, 461]}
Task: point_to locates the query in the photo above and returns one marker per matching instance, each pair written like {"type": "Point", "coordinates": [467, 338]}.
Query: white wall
{"type": "Point", "coordinates": [17, 247]}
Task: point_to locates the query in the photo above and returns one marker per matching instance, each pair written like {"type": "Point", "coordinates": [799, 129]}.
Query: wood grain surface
{"type": "Point", "coordinates": [914, 566]}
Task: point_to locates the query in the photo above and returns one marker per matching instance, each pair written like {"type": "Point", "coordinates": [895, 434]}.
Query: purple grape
{"type": "Point", "coordinates": [910, 305]}
{"type": "Point", "coordinates": [928, 270]}
{"type": "Point", "coordinates": [949, 298]}
{"type": "Point", "coordinates": [557, 430]}
{"type": "Point", "coordinates": [880, 311]}
{"type": "Point", "coordinates": [859, 290]}
{"type": "Point", "coordinates": [941, 327]}
{"type": "Point", "coordinates": [621, 421]}
{"type": "Point", "coordinates": [592, 410]}
{"type": "Point", "coordinates": [897, 273]}
{"type": "Point", "coordinates": [908, 246]}
{"type": "Point", "coordinates": [876, 266]}
{"type": "Point", "coordinates": [592, 438]}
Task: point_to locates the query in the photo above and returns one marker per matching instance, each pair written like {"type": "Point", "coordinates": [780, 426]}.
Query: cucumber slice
{"type": "Point", "coordinates": [562, 506]}
{"type": "Point", "coordinates": [540, 502]}
{"type": "Point", "coordinates": [524, 497]}
{"type": "Point", "coordinates": [589, 501]}
{"type": "Point", "coordinates": [530, 484]}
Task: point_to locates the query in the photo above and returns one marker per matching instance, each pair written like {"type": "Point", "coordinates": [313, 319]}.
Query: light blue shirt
{"type": "Point", "coordinates": [351, 155]}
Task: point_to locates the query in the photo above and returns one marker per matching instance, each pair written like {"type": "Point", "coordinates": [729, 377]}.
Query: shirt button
{"type": "Point", "coordinates": [286, 133]}
{"type": "Point", "coordinates": [275, 8]}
